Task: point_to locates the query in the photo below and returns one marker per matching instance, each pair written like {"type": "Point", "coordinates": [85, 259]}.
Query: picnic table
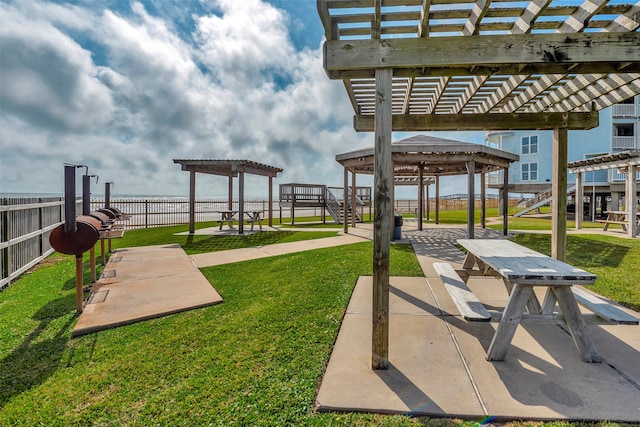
{"type": "Point", "coordinates": [618, 217]}
{"type": "Point", "coordinates": [227, 216]}
{"type": "Point", "coordinates": [521, 269]}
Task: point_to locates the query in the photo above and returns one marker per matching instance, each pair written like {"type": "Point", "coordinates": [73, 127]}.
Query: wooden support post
{"type": "Point", "coordinates": [509, 322]}
{"type": "Point", "coordinates": [579, 206]}
{"type": "Point", "coordinates": [92, 262]}
{"type": "Point", "coordinates": [427, 199]}
{"type": "Point", "coordinates": [471, 171]}
{"type": "Point", "coordinates": [354, 206]}
{"type": "Point", "coordinates": [102, 255]}
{"type": "Point", "coordinates": [230, 194]}
{"type": "Point", "coordinates": [631, 203]}
{"type": "Point", "coordinates": [271, 201]}
{"type": "Point", "coordinates": [559, 193]}
{"type": "Point", "coordinates": [483, 200]}
{"type": "Point", "coordinates": [576, 324]}
{"type": "Point", "coordinates": [420, 196]}
{"type": "Point", "coordinates": [241, 203]}
{"type": "Point", "coordinates": [79, 297]}
{"type": "Point", "coordinates": [383, 215]}
{"type": "Point", "coordinates": [437, 199]}
{"type": "Point", "coordinates": [345, 191]}
{"type": "Point", "coordinates": [192, 202]}
{"type": "Point", "coordinates": [505, 202]}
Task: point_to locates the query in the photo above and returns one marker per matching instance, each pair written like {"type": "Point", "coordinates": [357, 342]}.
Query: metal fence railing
{"type": "Point", "coordinates": [27, 222]}
{"type": "Point", "coordinates": [165, 211]}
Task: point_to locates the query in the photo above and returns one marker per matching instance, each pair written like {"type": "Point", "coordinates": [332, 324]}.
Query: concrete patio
{"type": "Point", "coordinates": [437, 359]}
{"type": "Point", "coordinates": [144, 283]}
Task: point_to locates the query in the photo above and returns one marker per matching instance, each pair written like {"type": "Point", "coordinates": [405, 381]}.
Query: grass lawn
{"type": "Point", "coordinates": [203, 243]}
{"type": "Point", "coordinates": [614, 260]}
{"type": "Point", "coordinates": [256, 359]}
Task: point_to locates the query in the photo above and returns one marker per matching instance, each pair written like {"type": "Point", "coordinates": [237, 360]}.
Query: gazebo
{"type": "Point", "coordinates": [415, 65]}
{"type": "Point", "coordinates": [626, 162]}
{"type": "Point", "coordinates": [231, 169]}
{"type": "Point", "coordinates": [421, 156]}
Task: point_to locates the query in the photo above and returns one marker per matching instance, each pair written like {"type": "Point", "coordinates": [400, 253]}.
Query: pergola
{"type": "Point", "coordinates": [421, 156]}
{"type": "Point", "coordinates": [432, 65]}
{"type": "Point", "coordinates": [231, 169]}
{"type": "Point", "coordinates": [625, 162]}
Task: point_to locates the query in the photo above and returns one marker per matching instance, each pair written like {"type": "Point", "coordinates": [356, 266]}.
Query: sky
{"type": "Point", "coordinates": [124, 87]}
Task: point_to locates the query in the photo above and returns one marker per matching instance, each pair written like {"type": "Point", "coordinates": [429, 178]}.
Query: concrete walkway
{"type": "Point", "coordinates": [143, 283]}
{"type": "Point", "coordinates": [245, 254]}
{"type": "Point", "coordinates": [437, 359]}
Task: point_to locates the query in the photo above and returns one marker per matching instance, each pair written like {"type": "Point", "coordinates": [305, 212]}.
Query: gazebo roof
{"type": "Point", "coordinates": [438, 156]}
{"type": "Point", "coordinates": [608, 161]}
{"type": "Point", "coordinates": [479, 65]}
{"type": "Point", "coordinates": [227, 167]}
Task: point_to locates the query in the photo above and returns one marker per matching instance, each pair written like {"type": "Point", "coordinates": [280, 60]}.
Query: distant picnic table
{"type": "Point", "coordinates": [617, 217]}
{"type": "Point", "coordinates": [255, 216]}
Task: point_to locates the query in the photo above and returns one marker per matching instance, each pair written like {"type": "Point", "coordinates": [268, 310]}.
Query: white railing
{"type": "Point", "coordinates": [623, 143]}
{"type": "Point", "coordinates": [496, 178]}
{"type": "Point", "coordinates": [624, 110]}
{"type": "Point", "coordinates": [616, 176]}
{"type": "Point", "coordinates": [25, 225]}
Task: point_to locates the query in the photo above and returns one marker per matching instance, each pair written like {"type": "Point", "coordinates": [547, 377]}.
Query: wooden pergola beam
{"type": "Point", "coordinates": [488, 121]}
{"type": "Point", "coordinates": [500, 52]}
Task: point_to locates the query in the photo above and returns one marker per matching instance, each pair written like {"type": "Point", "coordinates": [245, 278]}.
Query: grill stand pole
{"type": "Point", "coordinates": [79, 284]}
{"type": "Point", "coordinates": [92, 254]}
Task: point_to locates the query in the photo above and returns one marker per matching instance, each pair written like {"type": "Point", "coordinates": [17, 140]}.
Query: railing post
{"type": "Point", "coordinates": [40, 227]}
{"type": "Point", "coordinates": [5, 238]}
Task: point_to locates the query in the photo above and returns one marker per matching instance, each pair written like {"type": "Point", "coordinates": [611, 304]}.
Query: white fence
{"type": "Point", "coordinates": [25, 225]}
{"type": "Point", "coordinates": [161, 212]}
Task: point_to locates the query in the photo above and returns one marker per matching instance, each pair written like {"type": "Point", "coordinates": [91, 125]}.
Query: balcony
{"type": "Point", "coordinates": [624, 110]}
{"type": "Point", "coordinates": [615, 176]}
{"type": "Point", "coordinates": [623, 143]}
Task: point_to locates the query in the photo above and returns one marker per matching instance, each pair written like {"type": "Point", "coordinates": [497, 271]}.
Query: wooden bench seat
{"type": "Point", "coordinates": [603, 308]}
{"type": "Point", "coordinates": [609, 221]}
{"type": "Point", "coordinates": [468, 305]}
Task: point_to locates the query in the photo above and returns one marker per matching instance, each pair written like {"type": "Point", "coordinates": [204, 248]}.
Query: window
{"type": "Point", "coordinates": [623, 129]}
{"type": "Point", "coordinates": [529, 171]}
{"type": "Point", "coordinates": [530, 144]}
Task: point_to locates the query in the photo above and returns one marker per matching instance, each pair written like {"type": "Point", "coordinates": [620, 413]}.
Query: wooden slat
{"type": "Point", "coordinates": [597, 89]}
{"type": "Point", "coordinates": [618, 95]}
{"type": "Point", "coordinates": [576, 324]}
{"type": "Point", "coordinates": [492, 51]}
{"type": "Point", "coordinates": [509, 322]}
{"type": "Point", "coordinates": [477, 13]}
{"type": "Point", "coordinates": [506, 258]}
{"type": "Point", "coordinates": [576, 23]}
{"type": "Point", "coordinates": [488, 121]}
{"type": "Point", "coordinates": [468, 305]}
{"type": "Point", "coordinates": [602, 308]}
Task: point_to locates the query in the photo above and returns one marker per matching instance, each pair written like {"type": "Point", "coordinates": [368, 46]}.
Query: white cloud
{"type": "Point", "coordinates": [125, 92]}
{"type": "Point", "coordinates": [47, 78]}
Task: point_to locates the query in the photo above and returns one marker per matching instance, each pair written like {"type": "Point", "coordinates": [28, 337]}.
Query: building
{"type": "Point", "coordinates": [619, 130]}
